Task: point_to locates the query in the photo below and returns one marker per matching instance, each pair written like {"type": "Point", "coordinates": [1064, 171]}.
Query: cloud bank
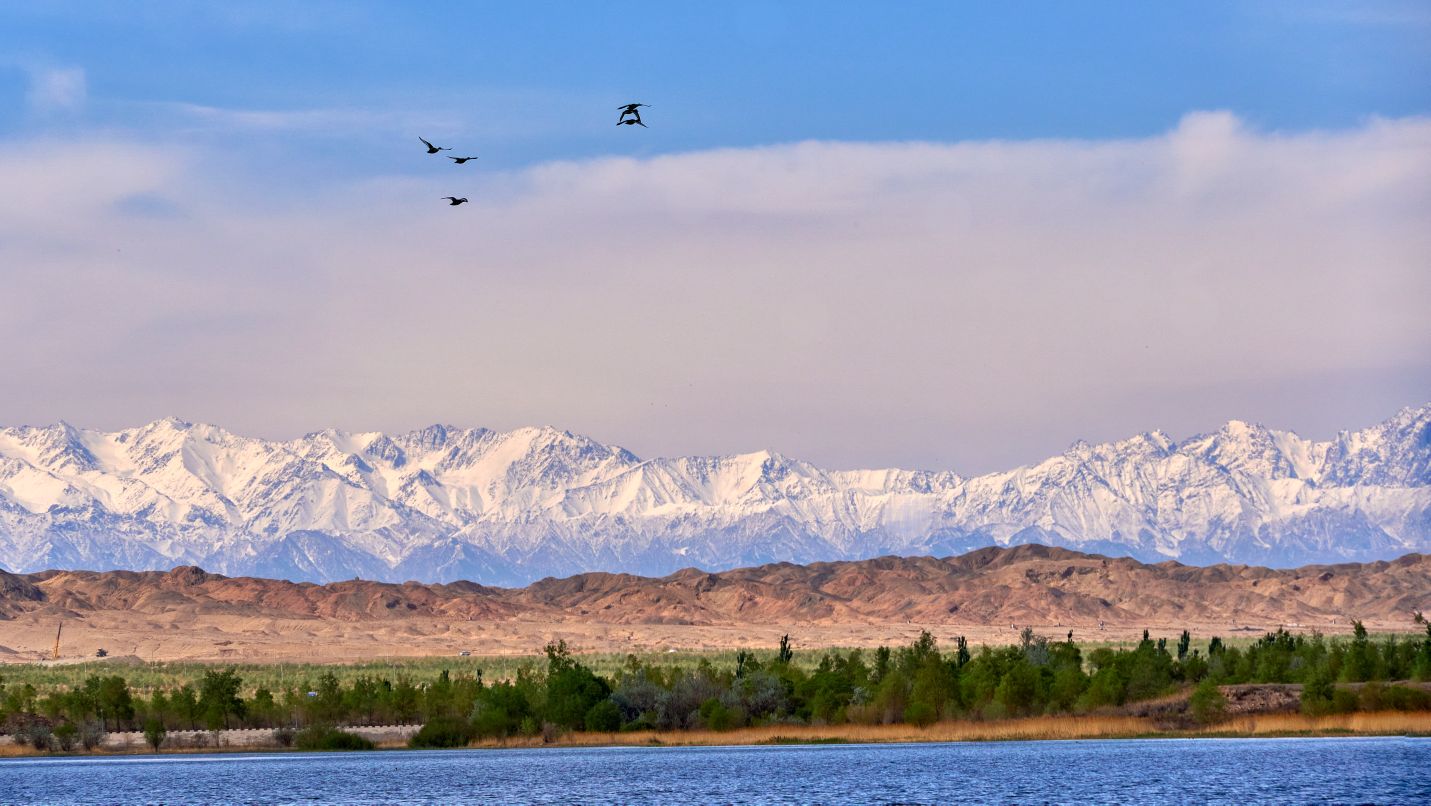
{"type": "Point", "coordinates": [966, 305]}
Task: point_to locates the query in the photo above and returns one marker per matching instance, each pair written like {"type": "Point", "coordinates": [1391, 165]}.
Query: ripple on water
{"type": "Point", "coordinates": [1170, 771]}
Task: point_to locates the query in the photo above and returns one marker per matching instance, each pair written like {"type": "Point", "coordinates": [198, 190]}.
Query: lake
{"type": "Point", "coordinates": [1163, 771]}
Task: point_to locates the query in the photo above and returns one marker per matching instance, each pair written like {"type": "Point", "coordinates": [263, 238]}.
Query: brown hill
{"type": "Point", "coordinates": [196, 591]}
{"type": "Point", "coordinates": [982, 593]}
{"type": "Point", "coordinates": [1025, 584]}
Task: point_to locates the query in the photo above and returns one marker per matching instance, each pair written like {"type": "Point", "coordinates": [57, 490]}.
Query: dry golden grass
{"type": "Point", "coordinates": [1382, 723]}
{"type": "Point", "coordinates": [1048, 727]}
{"type": "Point", "coordinates": [1376, 722]}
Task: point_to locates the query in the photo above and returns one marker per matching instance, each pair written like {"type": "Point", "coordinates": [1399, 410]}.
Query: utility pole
{"type": "Point", "coordinates": [58, 629]}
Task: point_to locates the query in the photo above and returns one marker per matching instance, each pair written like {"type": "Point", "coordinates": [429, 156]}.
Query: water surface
{"type": "Point", "coordinates": [1164, 771]}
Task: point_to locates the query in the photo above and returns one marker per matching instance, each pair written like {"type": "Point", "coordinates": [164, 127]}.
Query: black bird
{"type": "Point", "coordinates": [630, 109]}
{"type": "Point", "coordinates": [432, 149]}
{"type": "Point", "coordinates": [460, 160]}
{"type": "Point", "coordinates": [453, 201]}
{"type": "Point", "coordinates": [636, 121]}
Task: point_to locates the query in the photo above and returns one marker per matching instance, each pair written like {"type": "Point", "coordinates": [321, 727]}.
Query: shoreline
{"type": "Point", "coordinates": [1416, 724]}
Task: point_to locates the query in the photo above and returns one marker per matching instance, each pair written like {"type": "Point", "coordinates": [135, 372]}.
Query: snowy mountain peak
{"type": "Point", "coordinates": [446, 502]}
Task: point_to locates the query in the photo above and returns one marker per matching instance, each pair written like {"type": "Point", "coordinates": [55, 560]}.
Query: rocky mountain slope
{"type": "Point", "coordinates": [1026, 585]}
{"type": "Point", "coordinates": [448, 503]}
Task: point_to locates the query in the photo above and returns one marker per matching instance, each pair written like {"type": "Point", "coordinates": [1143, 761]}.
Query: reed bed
{"type": "Point", "coordinates": [1370, 723]}
{"type": "Point", "coordinates": [1382, 723]}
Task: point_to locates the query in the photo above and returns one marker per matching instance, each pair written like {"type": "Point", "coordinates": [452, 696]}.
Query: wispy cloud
{"type": "Point", "coordinates": [275, 119]}
{"type": "Point", "coordinates": [55, 90]}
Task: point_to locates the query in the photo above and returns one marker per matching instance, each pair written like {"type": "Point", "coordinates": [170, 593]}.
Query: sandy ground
{"type": "Point", "coordinates": [228, 637]}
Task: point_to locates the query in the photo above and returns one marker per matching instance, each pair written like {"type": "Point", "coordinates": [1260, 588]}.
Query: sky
{"type": "Point", "coordinates": [929, 235]}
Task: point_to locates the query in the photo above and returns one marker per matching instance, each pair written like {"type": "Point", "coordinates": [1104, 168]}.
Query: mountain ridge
{"type": "Point", "coordinates": [444, 503]}
{"type": "Point", "coordinates": [1027, 583]}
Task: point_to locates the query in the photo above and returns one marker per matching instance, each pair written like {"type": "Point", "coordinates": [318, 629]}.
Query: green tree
{"type": "Point", "coordinates": [219, 698]}
{"type": "Point", "coordinates": [1018, 691]}
{"type": "Point", "coordinates": [185, 705]}
{"type": "Point", "coordinates": [499, 710]}
{"type": "Point", "coordinates": [1149, 672]}
{"type": "Point", "coordinates": [1104, 689]}
{"type": "Point", "coordinates": [881, 665]}
{"type": "Point", "coordinates": [961, 651]}
{"type": "Point", "coordinates": [262, 710]}
{"type": "Point", "coordinates": [743, 659]}
{"type": "Point", "coordinates": [154, 732]}
{"type": "Point", "coordinates": [572, 689]}
{"type": "Point", "coordinates": [1317, 693]}
{"type": "Point", "coordinates": [1421, 666]}
{"type": "Point", "coordinates": [1360, 662]}
{"type": "Point", "coordinates": [1069, 683]}
{"type": "Point", "coordinates": [115, 702]}
{"type": "Point", "coordinates": [326, 705]}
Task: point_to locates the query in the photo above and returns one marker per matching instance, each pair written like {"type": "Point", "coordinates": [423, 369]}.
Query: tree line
{"type": "Point", "coordinates": [919, 683]}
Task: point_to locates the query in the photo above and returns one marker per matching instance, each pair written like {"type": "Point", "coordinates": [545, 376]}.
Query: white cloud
{"type": "Point", "coordinates": [275, 119]}
{"type": "Point", "coordinates": [56, 90]}
{"type": "Point", "coordinates": [966, 304]}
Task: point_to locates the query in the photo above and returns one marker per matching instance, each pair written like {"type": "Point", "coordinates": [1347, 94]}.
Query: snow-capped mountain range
{"type": "Point", "coordinates": [449, 503]}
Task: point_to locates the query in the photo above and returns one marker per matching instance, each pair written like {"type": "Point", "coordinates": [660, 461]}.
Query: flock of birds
{"type": "Point", "coordinates": [630, 116]}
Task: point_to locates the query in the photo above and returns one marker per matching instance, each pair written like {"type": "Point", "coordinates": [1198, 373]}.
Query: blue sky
{"type": "Point", "coordinates": [920, 234]}
{"type": "Point", "coordinates": [537, 80]}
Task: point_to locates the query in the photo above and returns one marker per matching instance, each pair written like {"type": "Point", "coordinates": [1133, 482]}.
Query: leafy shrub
{"type": "Point", "coordinates": [35, 734]}
{"type": "Point", "coordinates": [920, 713]}
{"type": "Point", "coordinates": [645, 721]}
{"type": "Point", "coordinates": [1317, 694]}
{"type": "Point", "coordinates": [604, 717]}
{"type": "Point", "coordinates": [283, 736]}
{"type": "Point", "coordinates": [65, 736]}
{"type": "Point", "coordinates": [1405, 698]}
{"type": "Point", "coordinates": [443, 732]}
{"type": "Point", "coordinates": [1207, 703]}
{"type": "Point", "coordinates": [91, 734]}
{"type": "Point", "coordinates": [1344, 701]}
{"type": "Point", "coordinates": [717, 716]}
{"type": "Point", "coordinates": [324, 737]}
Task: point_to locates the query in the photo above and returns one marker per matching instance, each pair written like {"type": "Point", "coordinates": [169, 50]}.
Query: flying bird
{"type": "Point", "coordinates": [460, 160]}
{"type": "Point", "coordinates": [630, 109]}
{"type": "Point", "coordinates": [632, 122]}
{"type": "Point", "coordinates": [453, 201]}
{"type": "Point", "coordinates": [432, 149]}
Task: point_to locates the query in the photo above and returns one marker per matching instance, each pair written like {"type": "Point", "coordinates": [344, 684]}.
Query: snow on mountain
{"type": "Point", "coordinates": [446, 503]}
